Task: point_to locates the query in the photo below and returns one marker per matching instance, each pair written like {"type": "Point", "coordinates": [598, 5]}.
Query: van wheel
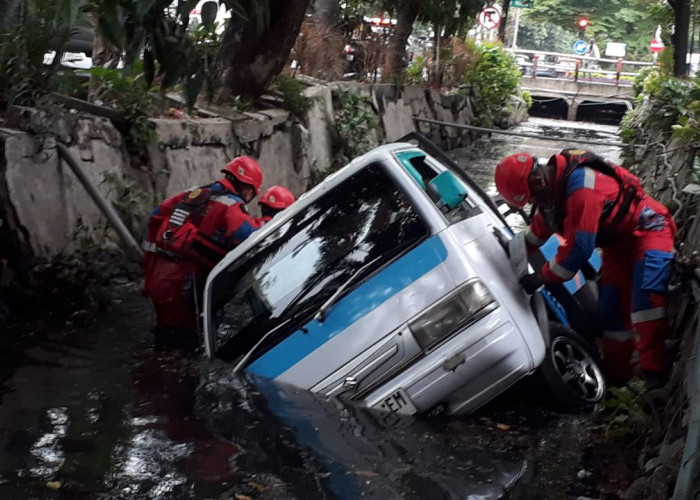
{"type": "Point", "coordinates": [571, 368]}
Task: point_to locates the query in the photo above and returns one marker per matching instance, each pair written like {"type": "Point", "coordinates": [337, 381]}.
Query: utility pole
{"type": "Point", "coordinates": [516, 23]}
{"type": "Point", "coordinates": [681, 9]}
{"type": "Point", "coordinates": [504, 20]}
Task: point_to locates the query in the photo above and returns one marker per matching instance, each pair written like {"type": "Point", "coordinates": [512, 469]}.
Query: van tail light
{"type": "Point", "coordinates": [452, 313]}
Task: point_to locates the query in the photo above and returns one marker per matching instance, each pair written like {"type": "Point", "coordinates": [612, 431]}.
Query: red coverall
{"type": "Point", "coordinates": [637, 252]}
{"type": "Point", "coordinates": [174, 274]}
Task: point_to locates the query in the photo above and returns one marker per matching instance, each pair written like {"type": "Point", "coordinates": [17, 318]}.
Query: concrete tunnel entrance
{"type": "Point", "coordinates": [549, 107]}
{"type": "Point", "coordinates": [607, 113]}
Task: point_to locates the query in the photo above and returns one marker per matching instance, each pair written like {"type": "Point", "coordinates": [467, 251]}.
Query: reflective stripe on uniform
{"type": "Point", "coordinates": [560, 270]}
{"type": "Point", "coordinates": [178, 216]}
{"type": "Point", "coordinates": [588, 178]}
{"type": "Point", "coordinates": [648, 315]}
{"type": "Point", "coordinates": [532, 239]}
{"type": "Point", "coordinates": [226, 200]}
{"type": "Point", "coordinates": [149, 246]}
{"type": "Point", "coordinates": [619, 335]}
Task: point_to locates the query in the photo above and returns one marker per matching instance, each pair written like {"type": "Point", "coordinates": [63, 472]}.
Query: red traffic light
{"type": "Point", "coordinates": [583, 23]}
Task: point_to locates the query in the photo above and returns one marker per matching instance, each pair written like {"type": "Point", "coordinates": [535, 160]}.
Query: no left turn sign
{"type": "Point", "coordinates": [489, 17]}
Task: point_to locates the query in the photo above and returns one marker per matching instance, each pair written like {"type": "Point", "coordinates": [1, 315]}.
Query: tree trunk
{"type": "Point", "coordinates": [248, 59]}
{"type": "Point", "coordinates": [681, 9]}
{"type": "Point", "coordinates": [396, 58]}
{"type": "Point", "coordinates": [327, 12]}
{"type": "Point", "coordinates": [504, 20]}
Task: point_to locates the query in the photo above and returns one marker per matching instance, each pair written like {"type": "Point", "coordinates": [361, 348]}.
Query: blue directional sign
{"type": "Point", "coordinates": [580, 47]}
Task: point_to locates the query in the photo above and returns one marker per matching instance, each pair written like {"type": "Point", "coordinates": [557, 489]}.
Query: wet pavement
{"type": "Point", "coordinates": [89, 410]}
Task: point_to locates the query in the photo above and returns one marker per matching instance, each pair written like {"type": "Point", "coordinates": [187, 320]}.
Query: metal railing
{"type": "Point", "coordinates": [568, 65]}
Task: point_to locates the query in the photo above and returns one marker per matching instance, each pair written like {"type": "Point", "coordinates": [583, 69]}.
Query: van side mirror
{"type": "Point", "coordinates": [447, 191]}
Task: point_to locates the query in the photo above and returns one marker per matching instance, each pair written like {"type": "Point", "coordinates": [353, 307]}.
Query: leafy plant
{"type": "Point", "coordinates": [355, 127]}
{"type": "Point", "coordinates": [74, 279]}
{"type": "Point", "coordinates": [155, 39]}
{"type": "Point", "coordinates": [239, 103]}
{"type": "Point", "coordinates": [293, 98]}
{"type": "Point", "coordinates": [545, 36]}
{"type": "Point", "coordinates": [492, 78]}
{"type": "Point", "coordinates": [28, 31]}
{"type": "Point", "coordinates": [131, 201]}
{"type": "Point", "coordinates": [206, 41]}
{"type": "Point", "coordinates": [132, 94]}
{"type": "Point", "coordinates": [414, 71]}
{"type": "Point", "coordinates": [641, 77]}
{"type": "Point", "coordinates": [626, 415]}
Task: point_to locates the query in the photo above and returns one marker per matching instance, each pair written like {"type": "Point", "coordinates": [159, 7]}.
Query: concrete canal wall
{"type": "Point", "coordinates": [43, 205]}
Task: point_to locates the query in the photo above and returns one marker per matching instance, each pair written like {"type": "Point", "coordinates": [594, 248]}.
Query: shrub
{"type": "Point", "coordinates": [132, 94]}
{"type": "Point", "coordinates": [293, 98]}
{"type": "Point", "coordinates": [354, 131]}
{"type": "Point", "coordinates": [493, 77]}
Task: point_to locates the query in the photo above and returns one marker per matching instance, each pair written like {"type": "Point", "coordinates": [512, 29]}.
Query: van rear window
{"type": "Point", "coordinates": [283, 280]}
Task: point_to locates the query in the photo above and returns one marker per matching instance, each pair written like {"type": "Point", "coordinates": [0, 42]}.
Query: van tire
{"type": "Point", "coordinates": [571, 368]}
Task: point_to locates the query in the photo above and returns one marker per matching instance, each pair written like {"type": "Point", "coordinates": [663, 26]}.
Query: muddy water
{"type": "Point", "coordinates": [88, 410]}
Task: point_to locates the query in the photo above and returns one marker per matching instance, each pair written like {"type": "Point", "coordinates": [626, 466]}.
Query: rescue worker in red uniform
{"type": "Point", "coordinates": [594, 203]}
{"type": "Point", "coordinates": [274, 200]}
{"type": "Point", "coordinates": [187, 235]}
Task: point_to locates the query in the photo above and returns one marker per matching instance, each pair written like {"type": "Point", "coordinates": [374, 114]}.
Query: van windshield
{"type": "Point", "coordinates": [289, 274]}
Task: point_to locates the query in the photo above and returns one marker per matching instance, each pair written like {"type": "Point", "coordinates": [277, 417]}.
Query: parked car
{"type": "Point", "coordinates": [77, 52]}
{"type": "Point", "coordinates": [393, 283]}
{"type": "Point", "coordinates": [223, 15]}
{"type": "Point", "coordinates": [524, 63]}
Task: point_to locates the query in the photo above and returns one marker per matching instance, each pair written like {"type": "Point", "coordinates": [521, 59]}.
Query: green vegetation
{"type": "Point", "coordinates": [546, 37]}
{"type": "Point", "coordinates": [625, 409]}
{"type": "Point", "coordinates": [355, 129]}
{"type": "Point", "coordinates": [132, 94]}
{"type": "Point", "coordinates": [631, 22]}
{"type": "Point", "coordinates": [28, 30]}
{"type": "Point", "coordinates": [293, 98]}
{"type": "Point", "coordinates": [666, 107]}
{"type": "Point", "coordinates": [491, 79]}
{"type": "Point", "coordinates": [130, 200]}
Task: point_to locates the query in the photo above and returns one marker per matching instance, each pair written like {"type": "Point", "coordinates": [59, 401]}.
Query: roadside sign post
{"type": "Point", "coordinates": [489, 17]}
{"type": "Point", "coordinates": [519, 4]}
{"type": "Point", "coordinates": [656, 46]}
{"type": "Point", "coordinates": [580, 47]}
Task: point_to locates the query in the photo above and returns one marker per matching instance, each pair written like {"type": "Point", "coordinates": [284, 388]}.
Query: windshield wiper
{"type": "Point", "coordinates": [286, 323]}
{"type": "Point", "coordinates": [249, 354]}
{"type": "Point", "coordinates": [321, 314]}
{"type": "Point", "coordinates": [293, 317]}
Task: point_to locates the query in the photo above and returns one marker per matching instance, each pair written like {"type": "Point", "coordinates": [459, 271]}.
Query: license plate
{"type": "Point", "coordinates": [397, 402]}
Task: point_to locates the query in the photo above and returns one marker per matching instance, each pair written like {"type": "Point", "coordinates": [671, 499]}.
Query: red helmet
{"type": "Point", "coordinates": [278, 197]}
{"type": "Point", "coordinates": [512, 174]}
{"type": "Point", "coordinates": [245, 169]}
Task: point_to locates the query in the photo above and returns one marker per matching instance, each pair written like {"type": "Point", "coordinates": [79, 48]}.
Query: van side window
{"type": "Point", "coordinates": [364, 221]}
{"type": "Point", "coordinates": [428, 178]}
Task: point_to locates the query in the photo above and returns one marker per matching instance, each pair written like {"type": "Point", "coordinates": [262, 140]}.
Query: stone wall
{"type": "Point", "coordinates": [42, 203]}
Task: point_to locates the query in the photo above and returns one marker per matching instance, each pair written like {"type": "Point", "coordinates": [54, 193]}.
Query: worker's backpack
{"type": "Point", "coordinates": [179, 236]}
{"type": "Point", "coordinates": [630, 187]}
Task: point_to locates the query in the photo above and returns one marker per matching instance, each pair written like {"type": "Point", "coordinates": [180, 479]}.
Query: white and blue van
{"type": "Point", "coordinates": [389, 284]}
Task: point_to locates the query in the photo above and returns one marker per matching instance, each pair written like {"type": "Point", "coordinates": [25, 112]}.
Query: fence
{"type": "Point", "coordinates": [536, 63]}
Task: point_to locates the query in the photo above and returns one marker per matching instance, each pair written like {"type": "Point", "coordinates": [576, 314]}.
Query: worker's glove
{"type": "Point", "coordinates": [531, 282]}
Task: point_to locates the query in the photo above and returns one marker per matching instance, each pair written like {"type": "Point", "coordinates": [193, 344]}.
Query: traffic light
{"type": "Point", "coordinates": [583, 23]}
